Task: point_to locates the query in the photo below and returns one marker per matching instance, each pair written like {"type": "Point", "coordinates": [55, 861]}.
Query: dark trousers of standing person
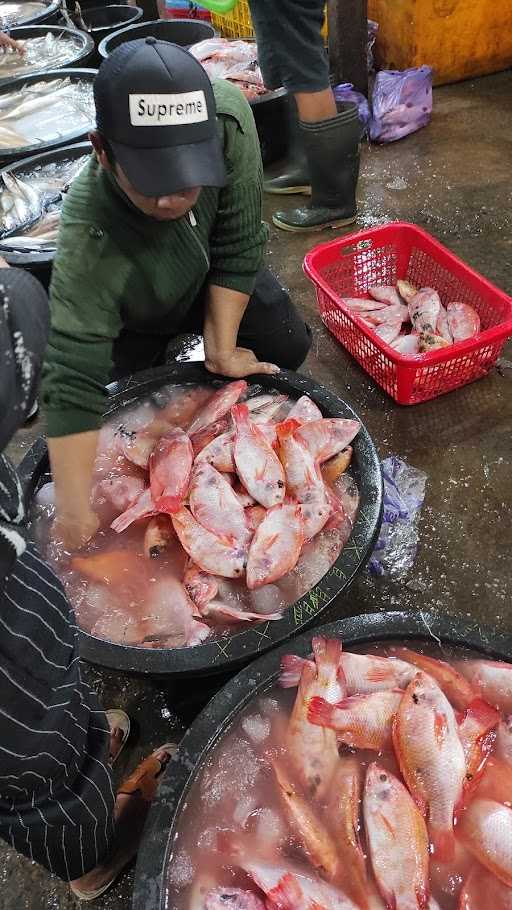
{"type": "Point", "coordinates": [324, 140]}
{"type": "Point", "coordinates": [271, 326]}
{"type": "Point", "coordinates": [56, 796]}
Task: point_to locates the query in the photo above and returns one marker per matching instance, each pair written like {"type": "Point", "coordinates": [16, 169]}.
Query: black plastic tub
{"type": "Point", "coordinates": [49, 12]}
{"type": "Point", "coordinates": [103, 21]}
{"type": "Point", "coordinates": [184, 32]}
{"type": "Point", "coordinates": [39, 262]}
{"type": "Point", "coordinates": [227, 654]}
{"type": "Point", "coordinates": [82, 53]}
{"type": "Point", "coordinates": [150, 888]}
{"type": "Point", "coordinates": [76, 75]}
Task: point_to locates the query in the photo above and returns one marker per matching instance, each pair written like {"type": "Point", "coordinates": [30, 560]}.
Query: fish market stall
{"type": "Point", "coordinates": [334, 803]}
{"type": "Point", "coordinates": [155, 557]}
{"type": "Point", "coordinates": [46, 47]}
{"type": "Point", "coordinates": [26, 12]}
{"type": "Point", "coordinates": [31, 195]}
{"type": "Point", "coordinates": [44, 111]}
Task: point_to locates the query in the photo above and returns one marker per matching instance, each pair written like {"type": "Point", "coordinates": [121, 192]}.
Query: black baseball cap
{"type": "Point", "coordinates": [155, 105]}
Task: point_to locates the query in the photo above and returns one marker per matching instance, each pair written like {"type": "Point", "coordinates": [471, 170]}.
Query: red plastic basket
{"type": "Point", "coordinates": [348, 266]}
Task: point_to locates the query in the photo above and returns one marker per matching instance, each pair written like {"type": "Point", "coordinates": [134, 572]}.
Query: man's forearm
{"type": "Point", "coordinates": [224, 311]}
{"type": "Point", "coordinates": [72, 462]}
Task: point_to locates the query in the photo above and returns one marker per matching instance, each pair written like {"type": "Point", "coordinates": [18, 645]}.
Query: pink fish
{"type": "Point", "coordinates": [157, 536]}
{"type": "Point", "coordinates": [254, 516]}
{"type": "Point", "coordinates": [223, 612]}
{"type": "Point", "coordinates": [244, 498]}
{"type": "Point", "coordinates": [211, 553]}
{"type": "Point", "coordinates": [485, 828]}
{"type": "Point", "coordinates": [424, 310]}
{"type": "Point", "coordinates": [364, 673]}
{"type": "Point", "coordinates": [361, 305]}
{"type": "Point", "coordinates": [170, 465]}
{"type": "Point", "coordinates": [200, 587]}
{"type": "Point", "coordinates": [232, 899]}
{"type": "Point", "coordinates": [136, 445]}
{"type": "Point", "coordinates": [219, 452]}
{"type": "Point", "coordinates": [288, 888]}
{"type": "Point", "coordinates": [463, 321]}
{"type": "Point", "coordinates": [216, 507]}
{"type": "Point", "coordinates": [315, 514]}
{"type": "Point", "coordinates": [492, 679]}
{"type": "Point", "coordinates": [397, 841]}
{"type": "Point", "coordinates": [385, 294]}
{"type": "Point", "coordinates": [218, 405]}
{"type": "Point", "coordinates": [326, 438]}
{"type": "Point", "coordinates": [276, 546]}
{"type": "Point", "coordinates": [398, 312]}
{"type": "Point", "coordinates": [406, 344]}
{"type": "Point", "coordinates": [388, 331]}
{"type": "Point", "coordinates": [263, 408]}
{"type": "Point", "coordinates": [431, 758]}
{"type": "Point", "coordinates": [429, 342]}
{"type": "Point", "coordinates": [442, 327]}
{"type": "Point", "coordinates": [456, 688]}
{"type": "Point", "coordinates": [477, 733]}
{"type": "Point", "coordinates": [257, 464]}
{"type": "Point", "coordinates": [121, 491]}
{"type": "Point", "coordinates": [313, 750]}
{"type": "Point", "coordinates": [343, 811]}
{"type": "Point", "coordinates": [303, 479]}
{"type": "Point", "coordinates": [360, 721]}
{"type": "Point", "coordinates": [406, 290]}
{"type": "Point", "coordinates": [143, 507]}
{"type": "Point", "coordinates": [482, 889]}
{"type": "Point", "coordinates": [305, 409]}
{"type": "Point", "coordinates": [205, 436]}
{"type": "Point", "coordinates": [169, 613]}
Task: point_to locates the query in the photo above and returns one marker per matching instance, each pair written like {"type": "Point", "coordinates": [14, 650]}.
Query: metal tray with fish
{"type": "Point", "coordinates": [25, 12]}
{"type": "Point", "coordinates": [46, 47]}
{"type": "Point", "coordinates": [45, 110]}
{"type": "Point", "coordinates": [219, 780]}
{"type": "Point", "coordinates": [320, 583]}
{"type": "Point", "coordinates": [31, 196]}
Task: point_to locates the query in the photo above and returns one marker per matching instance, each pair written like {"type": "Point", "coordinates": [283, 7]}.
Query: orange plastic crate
{"type": "Point", "coordinates": [347, 267]}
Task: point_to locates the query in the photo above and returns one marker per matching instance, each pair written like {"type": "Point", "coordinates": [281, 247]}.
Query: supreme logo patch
{"type": "Point", "coordinates": [168, 110]}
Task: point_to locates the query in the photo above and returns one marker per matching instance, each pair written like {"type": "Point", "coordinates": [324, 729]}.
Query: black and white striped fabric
{"type": "Point", "coordinates": [56, 797]}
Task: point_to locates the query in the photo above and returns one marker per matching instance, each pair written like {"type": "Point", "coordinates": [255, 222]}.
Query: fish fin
{"type": "Point", "coordinates": [240, 415]}
{"type": "Point", "coordinates": [287, 894]}
{"type": "Point", "coordinates": [443, 844]}
{"type": "Point", "coordinates": [327, 652]}
{"type": "Point", "coordinates": [320, 712]}
{"type": "Point", "coordinates": [287, 428]}
{"type": "Point", "coordinates": [169, 504]}
{"type": "Point", "coordinates": [380, 673]}
{"type": "Point", "coordinates": [291, 668]}
{"type": "Point", "coordinates": [484, 714]}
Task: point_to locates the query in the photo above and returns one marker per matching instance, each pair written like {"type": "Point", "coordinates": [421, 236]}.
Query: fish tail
{"type": "Point", "coordinates": [287, 894]}
{"type": "Point", "coordinates": [443, 844]}
{"type": "Point", "coordinates": [320, 712]}
{"type": "Point", "coordinates": [327, 652]}
{"type": "Point", "coordinates": [291, 668]}
{"type": "Point", "coordinates": [122, 522]}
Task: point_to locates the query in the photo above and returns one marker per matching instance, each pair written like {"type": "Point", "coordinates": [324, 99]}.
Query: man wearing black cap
{"type": "Point", "coordinates": [161, 234]}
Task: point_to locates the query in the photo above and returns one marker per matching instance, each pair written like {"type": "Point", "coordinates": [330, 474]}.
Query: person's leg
{"type": "Point", "coordinates": [272, 327]}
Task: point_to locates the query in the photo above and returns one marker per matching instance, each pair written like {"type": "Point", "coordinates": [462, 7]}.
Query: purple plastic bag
{"type": "Point", "coordinates": [404, 492]}
{"type": "Point", "coordinates": [401, 102]}
{"type": "Point", "coordinates": [345, 92]}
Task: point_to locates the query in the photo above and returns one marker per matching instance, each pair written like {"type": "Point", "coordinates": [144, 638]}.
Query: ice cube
{"type": "Point", "coordinates": [243, 810]}
{"type": "Point", "coordinates": [256, 727]}
{"type": "Point", "coordinates": [45, 496]}
{"type": "Point", "coordinates": [270, 829]}
{"type": "Point", "coordinates": [268, 705]}
{"type": "Point", "coordinates": [234, 772]}
{"type": "Point", "coordinates": [267, 599]}
{"type": "Point", "coordinates": [181, 870]}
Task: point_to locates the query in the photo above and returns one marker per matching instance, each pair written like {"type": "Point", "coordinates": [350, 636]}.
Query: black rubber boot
{"type": "Point", "coordinates": [332, 150]}
{"type": "Point", "coordinates": [293, 176]}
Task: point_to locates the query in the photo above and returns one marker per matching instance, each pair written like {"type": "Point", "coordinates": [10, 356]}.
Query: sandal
{"type": "Point", "coordinates": [118, 720]}
{"type": "Point", "coordinates": [143, 781]}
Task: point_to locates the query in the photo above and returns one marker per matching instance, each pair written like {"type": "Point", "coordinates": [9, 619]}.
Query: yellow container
{"type": "Point", "coordinates": [238, 23]}
{"type": "Point", "coordinates": [458, 38]}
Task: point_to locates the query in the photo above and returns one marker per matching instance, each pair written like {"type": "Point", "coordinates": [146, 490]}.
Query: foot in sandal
{"type": "Point", "coordinates": [119, 724]}
{"type": "Point", "coordinates": [132, 804]}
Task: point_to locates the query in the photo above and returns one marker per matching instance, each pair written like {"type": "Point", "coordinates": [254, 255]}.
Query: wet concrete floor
{"type": "Point", "coordinates": [453, 179]}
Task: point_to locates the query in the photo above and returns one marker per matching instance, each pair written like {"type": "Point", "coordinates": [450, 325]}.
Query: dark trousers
{"type": "Point", "coordinates": [271, 327]}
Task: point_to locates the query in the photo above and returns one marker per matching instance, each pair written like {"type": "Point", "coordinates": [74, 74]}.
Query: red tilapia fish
{"type": "Point", "coordinates": [384, 784]}
{"type": "Point", "coordinates": [414, 321]}
{"type": "Point", "coordinates": [227, 495]}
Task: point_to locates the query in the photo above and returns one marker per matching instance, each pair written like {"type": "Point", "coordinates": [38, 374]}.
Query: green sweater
{"type": "Point", "coordinates": [116, 268]}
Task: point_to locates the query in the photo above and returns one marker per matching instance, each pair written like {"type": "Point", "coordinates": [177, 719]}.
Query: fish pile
{"type": "Point", "coordinates": [30, 203]}
{"type": "Point", "coordinates": [414, 321]}
{"type": "Point", "coordinates": [213, 511]}
{"type": "Point", "coordinates": [386, 785]}
{"type": "Point", "coordinates": [236, 61]}
{"type": "Point", "coordinates": [46, 52]}
{"type": "Point", "coordinates": [44, 111]}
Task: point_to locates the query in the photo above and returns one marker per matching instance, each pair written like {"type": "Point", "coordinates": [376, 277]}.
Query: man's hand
{"type": "Point", "coordinates": [11, 44]}
{"type": "Point", "coordinates": [71, 531]}
{"type": "Point", "coordinates": [238, 363]}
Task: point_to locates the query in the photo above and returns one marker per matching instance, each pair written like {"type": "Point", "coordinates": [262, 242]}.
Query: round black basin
{"type": "Point", "coordinates": [227, 654]}
{"type": "Point", "coordinates": [184, 32]}
{"type": "Point", "coordinates": [27, 13]}
{"type": "Point", "coordinates": [83, 46]}
{"type": "Point", "coordinates": [102, 21]}
{"type": "Point", "coordinates": [150, 889]}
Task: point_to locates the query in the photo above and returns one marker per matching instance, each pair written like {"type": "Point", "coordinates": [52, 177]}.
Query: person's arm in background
{"type": "Point", "coordinates": [237, 243]}
{"type": "Point", "coordinates": [84, 307]}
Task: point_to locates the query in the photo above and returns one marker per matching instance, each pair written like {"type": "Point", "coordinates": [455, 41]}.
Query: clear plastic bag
{"type": "Point", "coordinates": [404, 492]}
{"type": "Point", "coordinates": [401, 103]}
{"type": "Point", "coordinates": [345, 92]}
